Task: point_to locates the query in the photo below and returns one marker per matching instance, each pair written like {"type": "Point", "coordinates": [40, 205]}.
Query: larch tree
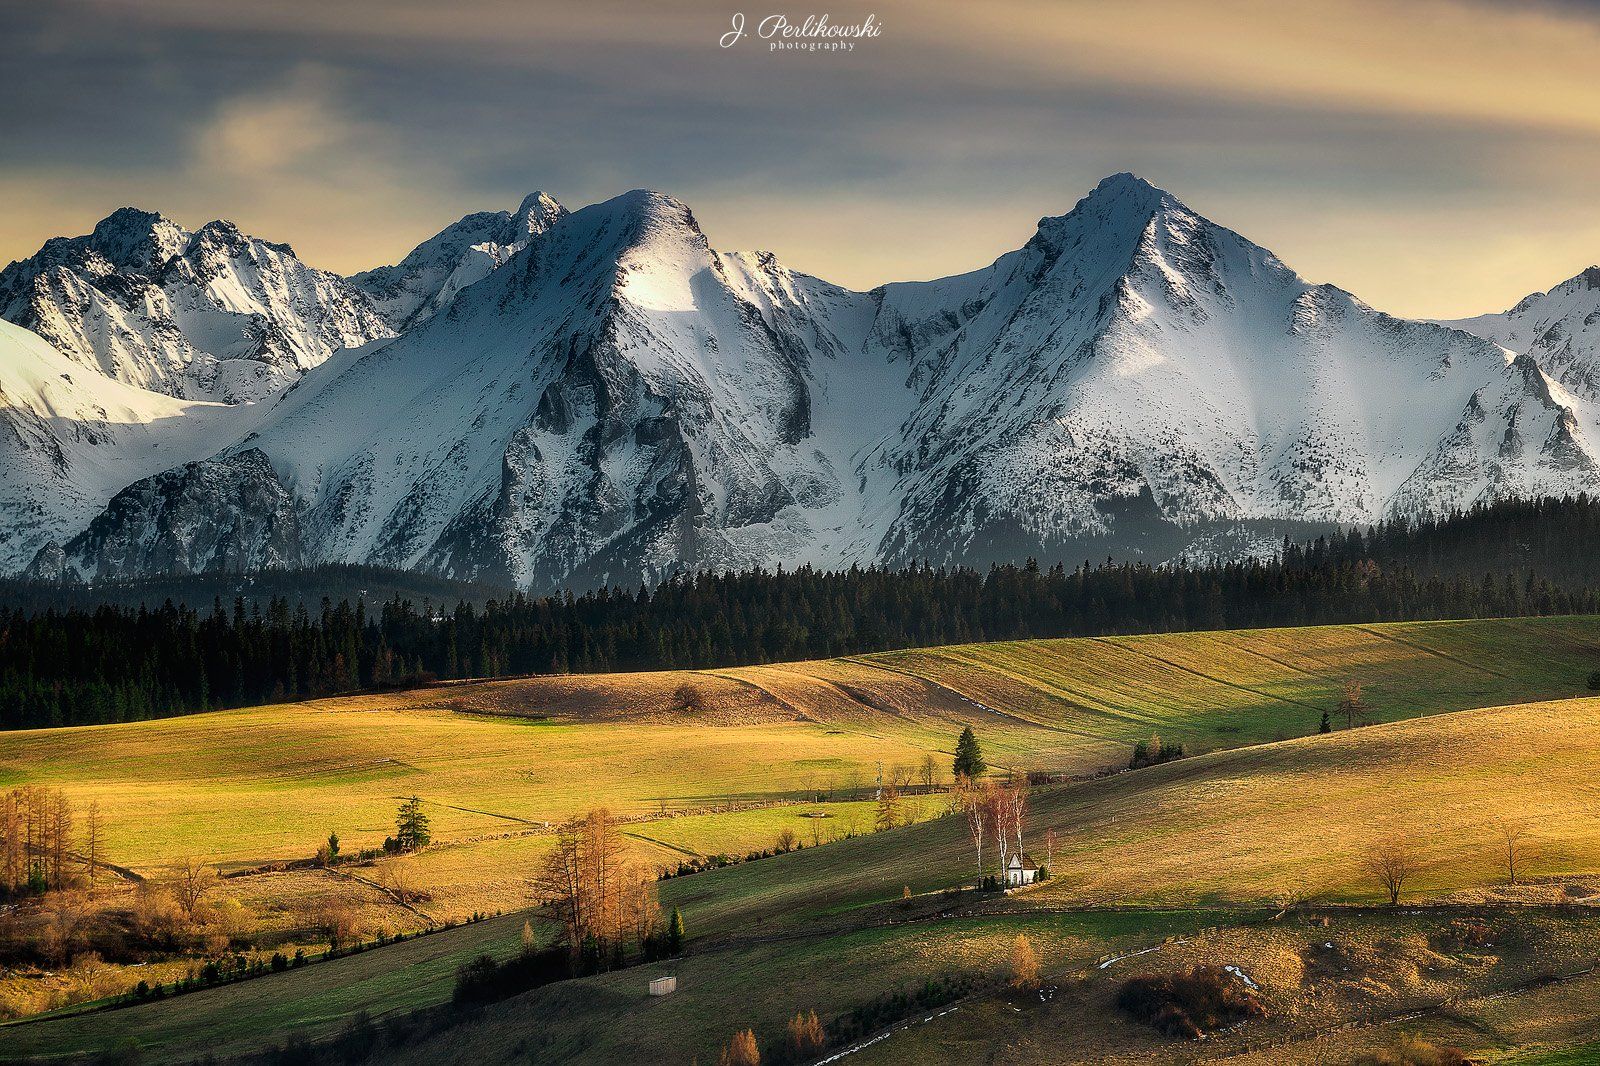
{"type": "Point", "coordinates": [742, 1050]}
{"type": "Point", "coordinates": [93, 831]}
{"type": "Point", "coordinates": [1024, 964]}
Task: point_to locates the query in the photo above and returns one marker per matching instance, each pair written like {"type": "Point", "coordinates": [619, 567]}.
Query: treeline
{"type": "Point", "coordinates": [113, 664]}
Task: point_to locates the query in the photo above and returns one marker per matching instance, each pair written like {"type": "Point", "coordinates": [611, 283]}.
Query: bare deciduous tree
{"type": "Point", "coordinates": [1516, 846]}
{"type": "Point", "coordinates": [1392, 862]}
{"type": "Point", "coordinates": [928, 772]}
{"type": "Point", "coordinates": [399, 878]}
{"type": "Point", "coordinates": [1351, 703]}
{"type": "Point", "coordinates": [816, 829]}
{"type": "Point", "coordinates": [64, 915]}
{"type": "Point", "coordinates": [190, 884]}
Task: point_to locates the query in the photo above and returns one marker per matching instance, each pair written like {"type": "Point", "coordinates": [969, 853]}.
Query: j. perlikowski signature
{"type": "Point", "coordinates": [818, 33]}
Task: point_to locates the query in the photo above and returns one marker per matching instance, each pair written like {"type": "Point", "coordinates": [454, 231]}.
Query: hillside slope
{"type": "Point", "coordinates": [1244, 826]}
{"type": "Point", "coordinates": [258, 784]}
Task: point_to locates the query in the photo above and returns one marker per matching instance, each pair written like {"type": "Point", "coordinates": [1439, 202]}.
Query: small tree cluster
{"type": "Point", "coordinates": [1153, 751]}
{"type": "Point", "coordinates": [37, 840]}
{"type": "Point", "coordinates": [601, 902]}
{"type": "Point", "coordinates": [741, 1050]}
{"type": "Point", "coordinates": [805, 1035]}
{"type": "Point", "coordinates": [996, 812]}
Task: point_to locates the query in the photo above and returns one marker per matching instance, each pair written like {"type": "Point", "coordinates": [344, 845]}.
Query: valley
{"type": "Point", "coordinates": [1463, 722]}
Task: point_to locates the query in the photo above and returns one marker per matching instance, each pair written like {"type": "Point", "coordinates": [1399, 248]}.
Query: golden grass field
{"type": "Point", "coordinates": [702, 762]}
{"type": "Point", "coordinates": [244, 787]}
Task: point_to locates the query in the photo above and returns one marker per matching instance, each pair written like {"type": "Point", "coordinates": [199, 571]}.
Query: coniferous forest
{"type": "Point", "coordinates": [111, 664]}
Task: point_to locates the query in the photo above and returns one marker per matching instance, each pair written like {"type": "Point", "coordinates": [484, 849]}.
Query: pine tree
{"type": "Point", "coordinates": [1326, 726]}
{"type": "Point", "coordinates": [411, 825]}
{"type": "Point", "coordinates": [969, 756]}
{"type": "Point", "coordinates": [675, 933]}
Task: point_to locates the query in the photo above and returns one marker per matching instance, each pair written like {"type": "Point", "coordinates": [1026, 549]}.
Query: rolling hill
{"type": "Point", "coordinates": [1204, 841]}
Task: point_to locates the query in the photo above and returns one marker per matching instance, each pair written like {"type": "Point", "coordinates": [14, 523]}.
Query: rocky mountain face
{"type": "Point", "coordinates": [1559, 329]}
{"type": "Point", "coordinates": [208, 315]}
{"type": "Point", "coordinates": [601, 396]}
{"type": "Point", "coordinates": [70, 438]}
{"type": "Point", "coordinates": [427, 280]}
{"type": "Point", "coordinates": [1135, 363]}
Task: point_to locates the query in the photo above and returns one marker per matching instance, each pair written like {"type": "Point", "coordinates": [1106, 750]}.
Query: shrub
{"type": "Point", "coordinates": [484, 981]}
{"type": "Point", "coordinates": [1189, 1005]}
{"type": "Point", "coordinates": [1414, 1051]}
{"type": "Point", "coordinates": [1466, 933]}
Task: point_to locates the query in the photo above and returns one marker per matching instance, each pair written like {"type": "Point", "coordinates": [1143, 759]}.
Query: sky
{"type": "Point", "coordinates": [1438, 158]}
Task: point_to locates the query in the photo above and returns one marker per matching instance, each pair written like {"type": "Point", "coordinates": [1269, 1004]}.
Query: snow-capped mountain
{"type": "Point", "coordinates": [610, 403]}
{"type": "Point", "coordinates": [1559, 329]}
{"type": "Point", "coordinates": [600, 396]}
{"type": "Point", "coordinates": [210, 315]}
{"type": "Point", "coordinates": [1136, 363]}
{"type": "Point", "coordinates": [71, 437]}
{"type": "Point", "coordinates": [427, 280]}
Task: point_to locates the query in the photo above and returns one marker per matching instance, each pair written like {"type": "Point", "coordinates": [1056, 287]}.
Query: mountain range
{"type": "Point", "coordinates": [553, 398]}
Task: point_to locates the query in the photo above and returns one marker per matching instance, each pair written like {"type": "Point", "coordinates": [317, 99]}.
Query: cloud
{"type": "Point", "coordinates": [1427, 156]}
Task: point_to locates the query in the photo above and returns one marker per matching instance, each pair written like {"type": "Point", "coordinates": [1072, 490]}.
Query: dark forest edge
{"type": "Point", "coordinates": [311, 585]}
{"type": "Point", "coordinates": [81, 665]}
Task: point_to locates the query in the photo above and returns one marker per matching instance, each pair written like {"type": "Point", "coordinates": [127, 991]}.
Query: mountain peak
{"type": "Point", "coordinates": [128, 219]}
{"type": "Point", "coordinates": [537, 213]}
{"type": "Point", "coordinates": [134, 239]}
{"type": "Point", "coordinates": [1119, 200]}
{"type": "Point", "coordinates": [1123, 182]}
{"type": "Point", "coordinates": [648, 210]}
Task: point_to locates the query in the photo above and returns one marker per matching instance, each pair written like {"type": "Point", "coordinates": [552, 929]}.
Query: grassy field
{"type": "Point", "coordinates": [1337, 987]}
{"type": "Point", "coordinates": [708, 762]}
{"type": "Point", "coordinates": [244, 787]}
{"type": "Point", "coordinates": [1156, 835]}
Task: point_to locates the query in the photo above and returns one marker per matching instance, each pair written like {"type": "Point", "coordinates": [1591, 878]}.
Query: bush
{"type": "Point", "coordinates": [484, 981]}
{"type": "Point", "coordinates": [1189, 1005]}
{"type": "Point", "coordinates": [1466, 933]}
{"type": "Point", "coordinates": [1417, 1052]}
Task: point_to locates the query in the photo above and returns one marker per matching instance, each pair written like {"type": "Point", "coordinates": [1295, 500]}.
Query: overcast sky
{"type": "Point", "coordinates": [1435, 158]}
